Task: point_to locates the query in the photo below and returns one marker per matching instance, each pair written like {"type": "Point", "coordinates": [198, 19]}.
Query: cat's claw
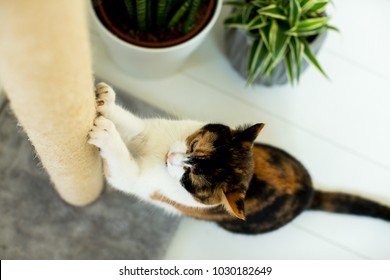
{"type": "Point", "coordinates": [105, 98]}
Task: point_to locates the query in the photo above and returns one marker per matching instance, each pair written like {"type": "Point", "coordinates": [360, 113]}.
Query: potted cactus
{"type": "Point", "coordinates": [153, 38]}
{"type": "Point", "coordinates": [272, 41]}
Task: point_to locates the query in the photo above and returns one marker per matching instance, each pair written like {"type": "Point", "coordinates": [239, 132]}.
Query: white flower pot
{"type": "Point", "coordinates": [145, 62]}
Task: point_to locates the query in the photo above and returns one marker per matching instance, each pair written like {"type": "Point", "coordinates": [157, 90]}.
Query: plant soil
{"type": "Point", "coordinates": [113, 15]}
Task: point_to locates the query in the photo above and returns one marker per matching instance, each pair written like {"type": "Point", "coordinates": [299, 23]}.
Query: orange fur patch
{"type": "Point", "coordinates": [282, 177]}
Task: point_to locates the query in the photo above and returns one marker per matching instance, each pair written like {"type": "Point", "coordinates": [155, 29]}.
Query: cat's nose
{"type": "Point", "coordinates": [176, 159]}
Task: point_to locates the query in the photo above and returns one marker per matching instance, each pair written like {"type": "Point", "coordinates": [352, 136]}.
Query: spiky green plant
{"type": "Point", "coordinates": [149, 15]}
{"type": "Point", "coordinates": [281, 31]}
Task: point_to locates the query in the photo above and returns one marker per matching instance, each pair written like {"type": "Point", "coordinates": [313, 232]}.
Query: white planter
{"type": "Point", "coordinates": [151, 62]}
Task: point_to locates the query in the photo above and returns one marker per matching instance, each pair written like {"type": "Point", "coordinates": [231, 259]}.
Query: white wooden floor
{"type": "Point", "coordinates": [340, 129]}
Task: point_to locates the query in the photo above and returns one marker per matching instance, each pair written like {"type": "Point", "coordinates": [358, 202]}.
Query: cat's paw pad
{"type": "Point", "coordinates": [105, 98]}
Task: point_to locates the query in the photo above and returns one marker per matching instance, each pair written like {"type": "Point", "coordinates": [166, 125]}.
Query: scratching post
{"type": "Point", "coordinates": [45, 69]}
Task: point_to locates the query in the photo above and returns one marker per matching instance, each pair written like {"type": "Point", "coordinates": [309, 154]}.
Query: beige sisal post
{"type": "Point", "coordinates": [45, 69]}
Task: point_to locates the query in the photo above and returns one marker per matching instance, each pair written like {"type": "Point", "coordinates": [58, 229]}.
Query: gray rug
{"type": "Point", "coordinates": [36, 224]}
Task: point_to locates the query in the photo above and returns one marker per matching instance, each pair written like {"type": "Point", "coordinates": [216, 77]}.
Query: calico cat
{"type": "Point", "coordinates": [210, 171]}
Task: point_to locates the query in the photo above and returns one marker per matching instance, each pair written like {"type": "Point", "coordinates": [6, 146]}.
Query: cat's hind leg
{"type": "Point", "coordinates": [127, 124]}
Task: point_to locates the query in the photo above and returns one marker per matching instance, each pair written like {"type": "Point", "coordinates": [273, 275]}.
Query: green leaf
{"type": "Point", "coordinates": [273, 11]}
{"type": "Point", "coordinates": [247, 12]}
{"type": "Point", "coordinates": [256, 23]}
{"type": "Point", "coordinates": [265, 34]}
{"type": "Point", "coordinates": [311, 58]}
{"type": "Point", "coordinates": [306, 5]}
{"type": "Point", "coordinates": [331, 27]}
{"type": "Point", "coordinates": [260, 3]}
{"type": "Point", "coordinates": [274, 30]}
{"type": "Point", "coordinates": [259, 56]}
{"type": "Point", "coordinates": [278, 41]}
{"type": "Point", "coordinates": [254, 55]}
{"type": "Point", "coordinates": [179, 13]}
{"type": "Point", "coordinates": [141, 6]}
{"type": "Point", "coordinates": [296, 48]}
{"type": "Point", "coordinates": [304, 2]}
{"type": "Point", "coordinates": [130, 9]}
{"type": "Point", "coordinates": [309, 25]}
{"type": "Point", "coordinates": [149, 15]}
{"type": "Point", "coordinates": [294, 12]}
{"type": "Point", "coordinates": [189, 23]}
{"type": "Point", "coordinates": [162, 12]}
{"type": "Point", "coordinates": [288, 60]}
{"type": "Point", "coordinates": [313, 6]}
{"type": "Point", "coordinates": [318, 7]}
{"type": "Point", "coordinates": [268, 68]}
{"type": "Point", "coordinates": [309, 32]}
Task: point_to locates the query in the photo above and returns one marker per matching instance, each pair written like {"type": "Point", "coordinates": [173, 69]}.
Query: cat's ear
{"type": "Point", "coordinates": [249, 134]}
{"type": "Point", "coordinates": [234, 203]}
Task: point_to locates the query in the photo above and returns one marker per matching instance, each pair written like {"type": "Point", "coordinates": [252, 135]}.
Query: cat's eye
{"type": "Point", "coordinates": [193, 145]}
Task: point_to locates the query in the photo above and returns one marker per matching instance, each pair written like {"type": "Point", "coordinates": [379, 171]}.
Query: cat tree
{"type": "Point", "coordinates": [45, 69]}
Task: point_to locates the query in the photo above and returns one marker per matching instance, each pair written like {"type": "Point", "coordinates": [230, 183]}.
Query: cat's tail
{"type": "Point", "coordinates": [348, 204]}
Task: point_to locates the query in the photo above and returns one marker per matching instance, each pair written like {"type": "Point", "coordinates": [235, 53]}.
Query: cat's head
{"type": "Point", "coordinates": [215, 165]}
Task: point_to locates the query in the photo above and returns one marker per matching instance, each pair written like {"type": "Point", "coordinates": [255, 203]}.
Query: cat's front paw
{"type": "Point", "coordinates": [105, 98]}
{"type": "Point", "coordinates": [105, 136]}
